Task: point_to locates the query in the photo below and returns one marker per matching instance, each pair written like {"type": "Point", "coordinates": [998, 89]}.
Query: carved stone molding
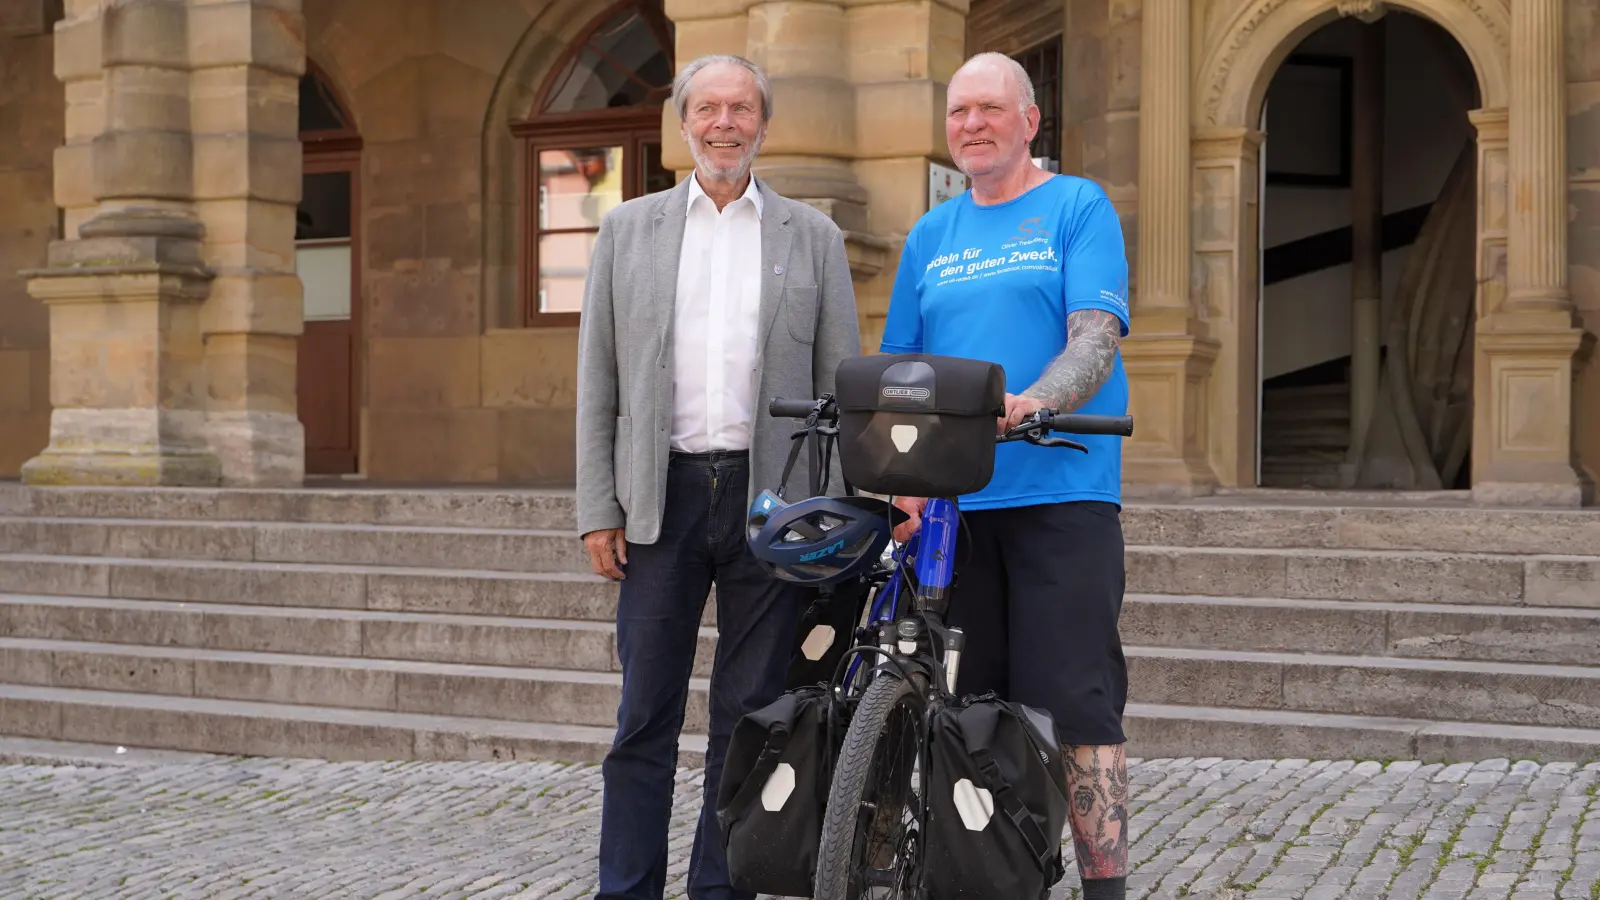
{"type": "Point", "coordinates": [1232, 74]}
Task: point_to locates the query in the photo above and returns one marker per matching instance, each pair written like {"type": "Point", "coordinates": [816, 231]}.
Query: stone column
{"type": "Point", "coordinates": [127, 381]}
{"type": "Point", "coordinates": [1529, 343]}
{"type": "Point", "coordinates": [173, 301]}
{"type": "Point", "coordinates": [1366, 216]}
{"type": "Point", "coordinates": [1168, 352]}
{"type": "Point", "coordinates": [246, 58]}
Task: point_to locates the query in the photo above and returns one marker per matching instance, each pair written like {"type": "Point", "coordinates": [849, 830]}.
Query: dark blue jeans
{"type": "Point", "coordinates": [658, 617]}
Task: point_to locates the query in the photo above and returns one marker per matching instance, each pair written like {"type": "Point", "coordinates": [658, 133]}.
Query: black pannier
{"type": "Point", "coordinates": [917, 425]}
{"type": "Point", "coordinates": [997, 801]}
{"type": "Point", "coordinates": [774, 791]}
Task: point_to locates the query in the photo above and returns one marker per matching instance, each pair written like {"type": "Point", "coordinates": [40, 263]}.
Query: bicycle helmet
{"type": "Point", "coordinates": [820, 540]}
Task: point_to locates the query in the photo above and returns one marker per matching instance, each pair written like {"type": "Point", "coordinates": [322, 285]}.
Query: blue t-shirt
{"type": "Point", "coordinates": [996, 283]}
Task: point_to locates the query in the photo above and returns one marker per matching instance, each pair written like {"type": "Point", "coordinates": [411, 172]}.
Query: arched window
{"type": "Point", "coordinates": [594, 141]}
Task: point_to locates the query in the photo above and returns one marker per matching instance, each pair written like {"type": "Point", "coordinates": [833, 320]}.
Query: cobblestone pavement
{"type": "Point", "coordinates": [1205, 828]}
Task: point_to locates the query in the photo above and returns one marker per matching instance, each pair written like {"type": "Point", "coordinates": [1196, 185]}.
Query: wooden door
{"type": "Point", "coordinates": [326, 255]}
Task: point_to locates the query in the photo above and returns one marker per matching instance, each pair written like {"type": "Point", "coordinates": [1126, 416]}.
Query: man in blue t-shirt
{"type": "Point", "coordinates": [1027, 270]}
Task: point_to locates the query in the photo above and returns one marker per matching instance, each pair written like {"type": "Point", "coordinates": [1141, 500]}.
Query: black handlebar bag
{"type": "Point", "coordinates": [918, 425]}
{"type": "Point", "coordinates": [774, 791]}
{"type": "Point", "coordinates": [997, 802]}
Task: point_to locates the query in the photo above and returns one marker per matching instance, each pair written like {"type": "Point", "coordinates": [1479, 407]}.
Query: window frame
{"type": "Point", "coordinates": [630, 127]}
{"type": "Point", "coordinates": [1049, 114]}
{"type": "Point", "coordinates": [630, 132]}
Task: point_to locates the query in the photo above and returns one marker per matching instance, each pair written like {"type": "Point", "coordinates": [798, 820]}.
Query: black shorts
{"type": "Point", "coordinates": [1038, 595]}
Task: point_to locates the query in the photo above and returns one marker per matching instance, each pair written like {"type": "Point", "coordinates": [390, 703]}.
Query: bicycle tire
{"type": "Point", "coordinates": [841, 827]}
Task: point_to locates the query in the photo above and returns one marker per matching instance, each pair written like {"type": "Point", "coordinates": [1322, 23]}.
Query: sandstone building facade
{"type": "Point", "coordinates": [261, 242]}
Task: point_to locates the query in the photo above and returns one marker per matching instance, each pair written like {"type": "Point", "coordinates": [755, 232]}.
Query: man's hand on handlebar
{"type": "Point", "coordinates": [608, 552]}
{"type": "Point", "coordinates": [1018, 408]}
{"type": "Point", "coordinates": [911, 506]}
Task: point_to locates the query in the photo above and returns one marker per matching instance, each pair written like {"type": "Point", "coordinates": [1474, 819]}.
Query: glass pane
{"type": "Point", "coordinates": [563, 267]}
{"type": "Point", "coordinates": [324, 206]}
{"type": "Point", "coordinates": [325, 271]}
{"type": "Point", "coordinates": [318, 110]}
{"type": "Point", "coordinates": [578, 187]}
{"type": "Point", "coordinates": [652, 176]}
{"type": "Point", "coordinates": [597, 76]}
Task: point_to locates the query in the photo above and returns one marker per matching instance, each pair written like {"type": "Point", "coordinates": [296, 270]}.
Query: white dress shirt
{"type": "Point", "coordinates": [715, 320]}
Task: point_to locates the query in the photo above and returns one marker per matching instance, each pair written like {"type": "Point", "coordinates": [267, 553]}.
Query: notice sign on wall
{"type": "Point", "coordinates": [943, 183]}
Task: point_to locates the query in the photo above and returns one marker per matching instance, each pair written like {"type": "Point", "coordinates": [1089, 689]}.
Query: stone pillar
{"type": "Point", "coordinates": [173, 300]}
{"type": "Point", "coordinates": [1366, 216]}
{"type": "Point", "coordinates": [246, 59]}
{"type": "Point", "coordinates": [127, 381]}
{"type": "Point", "coordinates": [1529, 343]}
{"type": "Point", "coordinates": [1168, 352]}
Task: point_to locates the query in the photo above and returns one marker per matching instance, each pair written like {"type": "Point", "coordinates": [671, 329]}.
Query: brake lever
{"type": "Point", "coordinates": [1060, 442]}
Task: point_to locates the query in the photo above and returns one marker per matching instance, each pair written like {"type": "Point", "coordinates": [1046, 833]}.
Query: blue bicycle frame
{"type": "Point", "coordinates": [941, 519]}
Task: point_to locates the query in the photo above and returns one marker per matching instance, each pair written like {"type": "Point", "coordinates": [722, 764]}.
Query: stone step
{"type": "Point", "coordinates": [556, 696]}
{"type": "Point", "coordinates": [1332, 520]}
{"type": "Point", "coordinates": [545, 509]}
{"type": "Point", "coordinates": [1411, 630]}
{"type": "Point", "coordinates": [1157, 730]}
{"type": "Point", "coordinates": [536, 595]}
{"type": "Point", "coordinates": [250, 728]}
{"type": "Point", "coordinates": [1284, 569]}
{"type": "Point", "coordinates": [239, 727]}
{"type": "Point", "coordinates": [369, 634]}
{"type": "Point", "coordinates": [1466, 691]}
{"type": "Point", "coordinates": [1410, 576]}
{"type": "Point", "coordinates": [497, 549]}
{"type": "Point", "coordinates": [1443, 521]}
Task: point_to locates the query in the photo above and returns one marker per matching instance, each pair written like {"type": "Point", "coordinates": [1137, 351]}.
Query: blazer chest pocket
{"type": "Point", "coordinates": [800, 307]}
{"type": "Point", "coordinates": [622, 461]}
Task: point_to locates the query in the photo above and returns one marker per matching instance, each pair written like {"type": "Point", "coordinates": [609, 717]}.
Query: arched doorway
{"type": "Point", "coordinates": [592, 141]}
{"type": "Point", "coordinates": [327, 258]}
{"type": "Point", "coordinates": [1232, 82]}
{"type": "Point", "coordinates": [1368, 213]}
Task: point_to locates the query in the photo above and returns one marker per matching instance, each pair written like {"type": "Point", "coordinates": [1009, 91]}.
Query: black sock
{"type": "Point", "coordinates": [1105, 888]}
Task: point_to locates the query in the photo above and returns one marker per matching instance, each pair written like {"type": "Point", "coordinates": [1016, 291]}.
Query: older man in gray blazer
{"type": "Point", "coordinates": [703, 302]}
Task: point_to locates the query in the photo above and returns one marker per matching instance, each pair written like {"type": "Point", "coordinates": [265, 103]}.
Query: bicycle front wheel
{"type": "Point", "coordinates": [871, 833]}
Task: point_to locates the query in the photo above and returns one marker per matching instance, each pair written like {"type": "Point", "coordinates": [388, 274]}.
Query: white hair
{"type": "Point", "coordinates": [680, 85]}
{"type": "Point", "coordinates": [1018, 74]}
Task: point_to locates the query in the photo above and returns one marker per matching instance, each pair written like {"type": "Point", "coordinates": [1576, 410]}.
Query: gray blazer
{"type": "Point", "coordinates": [625, 392]}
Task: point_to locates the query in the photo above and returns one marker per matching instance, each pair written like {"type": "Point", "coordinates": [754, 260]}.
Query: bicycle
{"type": "Point", "coordinates": [870, 842]}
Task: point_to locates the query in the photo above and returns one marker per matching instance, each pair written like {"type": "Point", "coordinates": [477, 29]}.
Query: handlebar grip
{"type": "Point", "coordinates": [1077, 423]}
{"type": "Point", "coordinates": [783, 408]}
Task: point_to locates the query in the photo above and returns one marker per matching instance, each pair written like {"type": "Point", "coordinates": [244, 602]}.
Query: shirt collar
{"type": "Point", "coordinates": [750, 191]}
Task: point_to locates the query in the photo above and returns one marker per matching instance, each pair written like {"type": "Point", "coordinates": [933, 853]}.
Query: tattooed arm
{"type": "Point", "coordinates": [1093, 336]}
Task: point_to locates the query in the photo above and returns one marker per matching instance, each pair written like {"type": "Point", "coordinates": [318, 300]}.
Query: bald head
{"type": "Point", "coordinates": [998, 65]}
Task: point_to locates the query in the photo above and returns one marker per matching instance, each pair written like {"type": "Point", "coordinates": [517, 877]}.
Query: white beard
{"type": "Point", "coordinates": [735, 172]}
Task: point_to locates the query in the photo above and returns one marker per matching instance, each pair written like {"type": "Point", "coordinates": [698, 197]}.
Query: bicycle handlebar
{"type": "Point", "coordinates": [1072, 423]}
{"type": "Point", "coordinates": [781, 408]}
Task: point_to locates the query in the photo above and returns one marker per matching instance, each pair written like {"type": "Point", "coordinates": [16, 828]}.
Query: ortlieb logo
{"type": "Point", "coordinates": [907, 393]}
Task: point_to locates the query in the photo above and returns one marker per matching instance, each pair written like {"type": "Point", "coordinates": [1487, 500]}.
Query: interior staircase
{"type": "Point", "coordinates": [1305, 432]}
{"type": "Point", "coordinates": [462, 624]}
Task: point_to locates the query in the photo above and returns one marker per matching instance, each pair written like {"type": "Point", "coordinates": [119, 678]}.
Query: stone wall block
{"type": "Point", "coordinates": [251, 371]}
{"type": "Point", "coordinates": [247, 33]}
{"type": "Point", "coordinates": [237, 166]}
{"type": "Point", "coordinates": [798, 39]}
{"type": "Point", "coordinates": [146, 99]}
{"type": "Point", "coordinates": [274, 107]}
{"type": "Point", "coordinates": [260, 303]}
{"type": "Point", "coordinates": [907, 117]}
{"type": "Point", "coordinates": [79, 49]}
{"type": "Point", "coordinates": [146, 33]}
{"type": "Point", "coordinates": [815, 117]}
{"type": "Point", "coordinates": [248, 234]}
{"type": "Point", "coordinates": [73, 175]}
{"type": "Point", "coordinates": [155, 165]}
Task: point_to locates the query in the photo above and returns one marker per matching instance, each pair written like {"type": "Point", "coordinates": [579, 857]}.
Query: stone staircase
{"type": "Point", "coordinates": [1305, 432]}
{"type": "Point", "coordinates": [434, 624]}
